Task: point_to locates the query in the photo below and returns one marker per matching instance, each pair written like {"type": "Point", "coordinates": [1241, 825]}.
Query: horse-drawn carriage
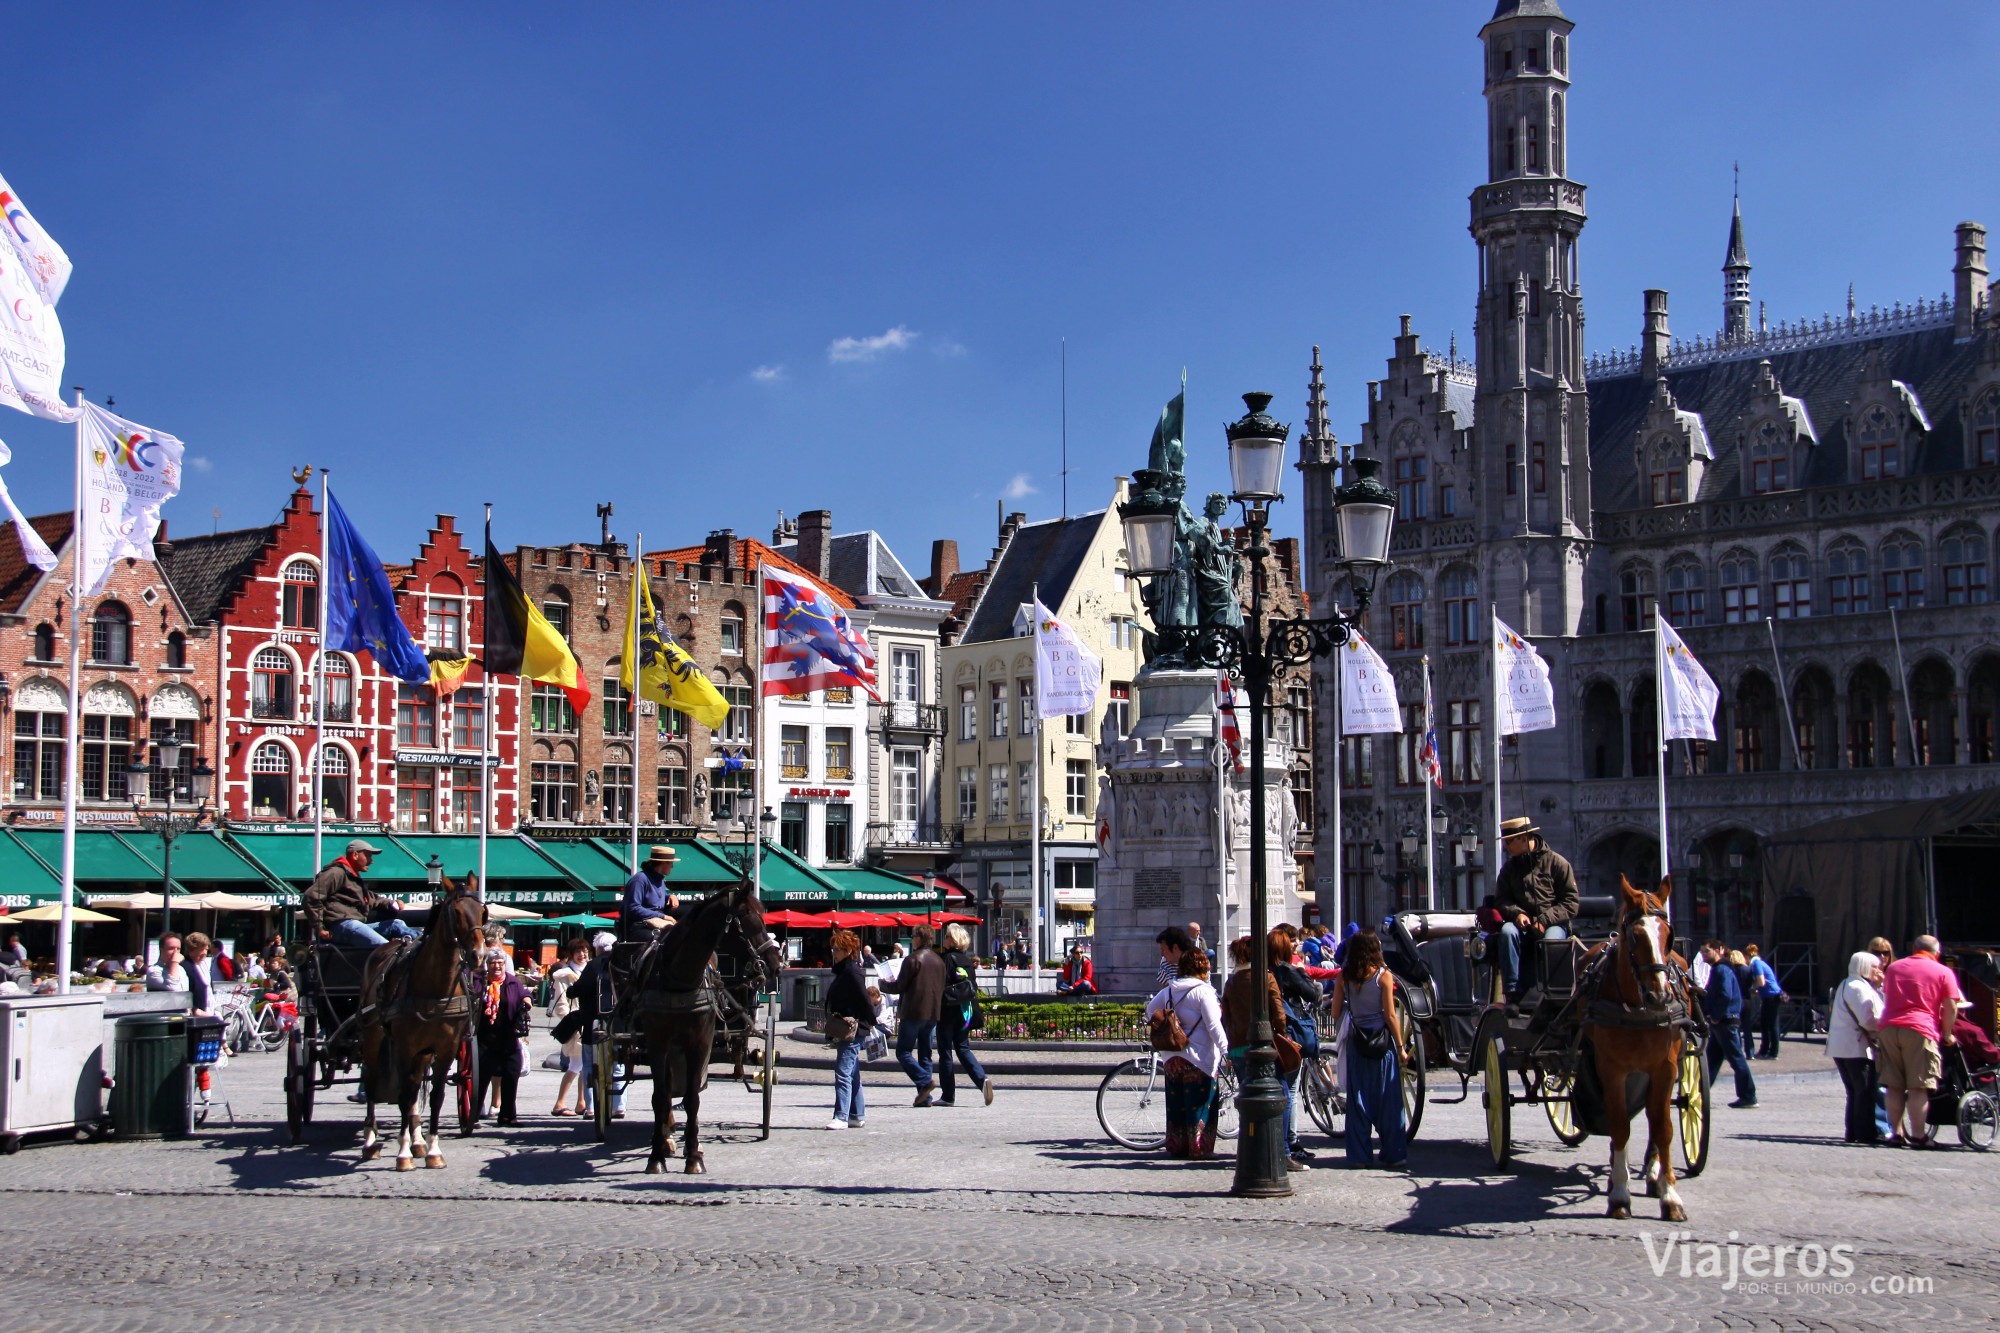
{"type": "Point", "coordinates": [1615, 973]}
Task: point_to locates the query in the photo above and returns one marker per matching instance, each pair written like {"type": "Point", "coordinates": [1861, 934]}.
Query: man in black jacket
{"type": "Point", "coordinates": [920, 983]}
{"type": "Point", "coordinates": [1536, 897]}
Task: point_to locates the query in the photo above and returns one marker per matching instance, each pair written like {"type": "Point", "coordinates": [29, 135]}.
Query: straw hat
{"type": "Point", "coordinates": [659, 852]}
{"type": "Point", "coordinates": [1517, 828]}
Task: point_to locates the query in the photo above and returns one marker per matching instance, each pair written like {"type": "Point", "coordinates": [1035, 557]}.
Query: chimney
{"type": "Point", "coordinates": [816, 541]}
{"type": "Point", "coordinates": [786, 532]}
{"type": "Point", "coordinates": [720, 551]}
{"type": "Point", "coordinates": [1969, 290]}
{"type": "Point", "coordinates": [1011, 525]}
{"type": "Point", "coordinates": [1654, 340]}
{"type": "Point", "coordinates": [944, 566]}
{"type": "Point", "coordinates": [1406, 341]}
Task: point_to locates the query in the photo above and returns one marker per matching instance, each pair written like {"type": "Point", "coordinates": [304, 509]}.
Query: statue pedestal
{"type": "Point", "coordinates": [1179, 832]}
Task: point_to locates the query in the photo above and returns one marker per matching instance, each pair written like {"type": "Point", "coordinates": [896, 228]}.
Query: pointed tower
{"type": "Point", "coordinates": [1319, 463]}
{"type": "Point", "coordinates": [1736, 281]}
{"type": "Point", "coordinates": [1532, 416]}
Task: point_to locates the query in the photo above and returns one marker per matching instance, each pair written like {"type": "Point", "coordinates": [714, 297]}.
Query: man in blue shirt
{"type": "Point", "coordinates": [647, 902]}
{"type": "Point", "coordinates": [1770, 997]}
{"type": "Point", "coordinates": [1722, 1005]}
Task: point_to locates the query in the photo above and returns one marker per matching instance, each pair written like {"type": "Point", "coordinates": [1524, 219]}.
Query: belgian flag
{"type": "Point", "coordinates": [520, 641]}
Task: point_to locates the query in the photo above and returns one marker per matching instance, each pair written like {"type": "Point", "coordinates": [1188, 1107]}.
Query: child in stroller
{"type": "Point", "coordinates": [1968, 1094]}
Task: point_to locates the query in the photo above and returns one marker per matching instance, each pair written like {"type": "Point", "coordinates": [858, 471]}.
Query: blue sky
{"type": "Point", "coordinates": [711, 262]}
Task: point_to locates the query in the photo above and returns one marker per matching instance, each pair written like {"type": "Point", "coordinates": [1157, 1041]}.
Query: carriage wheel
{"type": "Point", "coordinates": [466, 1082]}
{"type": "Point", "coordinates": [299, 1077]}
{"type": "Point", "coordinates": [1978, 1120]}
{"type": "Point", "coordinates": [1499, 1104]}
{"type": "Point", "coordinates": [1412, 1068]}
{"type": "Point", "coordinates": [600, 1081]}
{"type": "Point", "coordinates": [1559, 1100]}
{"type": "Point", "coordinates": [1691, 1100]}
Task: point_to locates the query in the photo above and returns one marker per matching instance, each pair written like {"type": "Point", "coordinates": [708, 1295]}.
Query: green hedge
{"type": "Point", "coordinates": [1013, 1020]}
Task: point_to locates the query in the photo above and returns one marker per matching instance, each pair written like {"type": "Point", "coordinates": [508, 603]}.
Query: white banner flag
{"type": "Point", "coordinates": [32, 545]}
{"type": "Point", "coordinates": [1527, 695]}
{"type": "Point", "coordinates": [1066, 672]}
{"type": "Point", "coordinates": [31, 343]}
{"type": "Point", "coordinates": [129, 471]}
{"type": "Point", "coordinates": [1691, 694]}
{"type": "Point", "coordinates": [1367, 691]}
{"type": "Point", "coordinates": [48, 266]}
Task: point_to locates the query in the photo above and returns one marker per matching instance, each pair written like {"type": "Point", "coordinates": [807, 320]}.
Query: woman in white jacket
{"type": "Point", "coordinates": [1850, 1040]}
{"type": "Point", "coordinates": [1190, 1073]}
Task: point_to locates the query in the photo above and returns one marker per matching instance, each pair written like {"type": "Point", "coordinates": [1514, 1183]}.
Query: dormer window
{"type": "Point", "coordinates": [1413, 488]}
{"type": "Point", "coordinates": [1561, 48]}
{"type": "Point", "coordinates": [1770, 467]}
{"type": "Point", "coordinates": [1669, 486]}
{"type": "Point", "coordinates": [1986, 431]}
{"type": "Point", "coordinates": [1881, 445]}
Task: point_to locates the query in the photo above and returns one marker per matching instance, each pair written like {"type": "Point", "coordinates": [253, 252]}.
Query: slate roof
{"type": "Point", "coordinates": [18, 576]}
{"type": "Point", "coordinates": [1048, 553]}
{"type": "Point", "coordinates": [205, 571]}
{"type": "Point", "coordinates": [862, 565]}
{"type": "Point", "coordinates": [1528, 9]}
{"type": "Point", "coordinates": [748, 554]}
{"type": "Point", "coordinates": [1828, 379]}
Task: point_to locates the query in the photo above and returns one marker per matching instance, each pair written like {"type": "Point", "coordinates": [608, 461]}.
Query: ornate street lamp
{"type": "Point", "coordinates": [201, 782]}
{"type": "Point", "coordinates": [1255, 652]}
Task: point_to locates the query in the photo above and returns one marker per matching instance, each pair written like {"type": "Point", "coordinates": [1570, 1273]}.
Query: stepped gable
{"type": "Point", "coordinates": [18, 575]}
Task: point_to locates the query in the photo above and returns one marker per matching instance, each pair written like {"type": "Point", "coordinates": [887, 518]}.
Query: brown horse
{"type": "Point", "coordinates": [1633, 1027]}
{"type": "Point", "coordinates": [417, 1009]}
{"type": "Point", "coordinates": [676, 1010]}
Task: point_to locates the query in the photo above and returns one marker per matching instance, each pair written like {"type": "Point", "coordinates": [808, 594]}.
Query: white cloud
{"type": "Point", "coordinates": [200, 464]}
{"type": "Point", "coordinates": [1018, 488]}
{"type": "Point", "coordinates": [768, 374]}
{"type": "Point", "coordinates": [868, 349]}
{"type": "Point", "coordinates": [949, 348]}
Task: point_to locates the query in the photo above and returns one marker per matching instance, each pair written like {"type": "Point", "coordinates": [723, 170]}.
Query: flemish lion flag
{"type": "Point", "coordinates": [520, 641]}
{"type": "Point", "coordinates": [667, 675]}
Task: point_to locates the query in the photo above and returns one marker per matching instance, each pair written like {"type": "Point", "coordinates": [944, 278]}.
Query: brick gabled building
{"type": "Point", "coordinates": [396, 754]}
{"type": "Point", "coordinates": [148, 672]}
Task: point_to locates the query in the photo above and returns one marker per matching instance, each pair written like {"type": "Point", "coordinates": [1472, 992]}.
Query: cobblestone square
{"type": "Point", "coordinates": [1022, 1215]}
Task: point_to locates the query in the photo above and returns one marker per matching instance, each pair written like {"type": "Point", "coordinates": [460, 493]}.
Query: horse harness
{"type": "Point", "coordinates": [430, 1009]}
{"type": "Point", "coordinates": [1609, 1011]}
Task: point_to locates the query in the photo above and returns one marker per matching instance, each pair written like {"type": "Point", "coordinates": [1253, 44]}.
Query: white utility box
{"type": "Point", "coordinates": [53, 1049]}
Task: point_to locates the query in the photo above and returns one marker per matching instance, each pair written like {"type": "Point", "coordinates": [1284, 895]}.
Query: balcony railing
{"type": "Point", "coordinates": [886, 834]}
{"type": "Point", "coordinates": [908, 718]}
{"type": "Point", "coordinates": [340, 711]}
{"type": "Point", "coordinates": [273, 709]}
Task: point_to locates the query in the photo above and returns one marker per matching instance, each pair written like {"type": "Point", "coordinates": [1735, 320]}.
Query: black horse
{"type": "Point", "coordinates": [677, 1002]}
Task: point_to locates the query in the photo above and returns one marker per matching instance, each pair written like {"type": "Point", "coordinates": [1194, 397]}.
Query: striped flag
{"type": "Point", "coordinates": [809, 643]}
{"type": "Point", "coordinates": [1225, 707]}
{"type": "Point", "coordinates": [1427, 754]}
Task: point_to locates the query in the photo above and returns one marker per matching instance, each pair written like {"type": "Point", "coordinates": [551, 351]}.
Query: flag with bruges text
{"type": "Point", "coordinates": [1067, 674]}
{"type": "Point", "coordinates": [1527, 695]}
{"type": "Point", "coordinates": [1367, 691]}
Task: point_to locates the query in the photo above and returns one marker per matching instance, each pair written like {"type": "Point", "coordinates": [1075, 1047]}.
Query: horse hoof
{"type": "Point", "coordinates": [371, 1151]}
{"type": "Point", "coordinates": [1673, 1212]}
{"type": "Point", "coordinates": [695, 1168]}
{"type": "Point", "coordinates": [1619, 1210]}
{"type": "Point", "coordinates": [434, 1160]}
{"type": "Point", "coordinates": [406, 1164]}
{"type": "Point", "coordinates": [655, 1168]}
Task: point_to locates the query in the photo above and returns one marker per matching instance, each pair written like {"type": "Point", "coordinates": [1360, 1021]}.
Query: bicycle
{"type": "Point", "coordinates": [1132, 1108]}
{"type": "Point", "coordinates": [253, 1020]}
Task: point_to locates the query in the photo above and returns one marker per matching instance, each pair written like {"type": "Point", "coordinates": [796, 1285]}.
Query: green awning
{"type": "Point", "coordinates": [589, 862]}
{"type": "Point", "coordinates": [697, 864]}
{"type": "Point", "coordinates": [511, 862]}
{"type": "Point", "coordinates": [24, 881]}
{"type": "Point", "coordinates": [201, 857]}
{"type": "Point", "coordinates": [288, 856]}
{"type": "Point", "coordinates": [104, 863]}
{"type": "Point", "coordinates": [867, 886]}
{"type": "Point", "coordinates": [788, 879]}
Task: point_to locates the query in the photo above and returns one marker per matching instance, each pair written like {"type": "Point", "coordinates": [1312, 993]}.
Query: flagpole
{"type": "Point", "coordinates": [1784, 693]}
{"type": "Point", "coordinates": [1034, 811]}
{"type": "Point", "coordinates": [632, 695]}
{"type": "Point", "coordinates": [1661, 728]}
{"type": "Point", "coordinates": [319, 675]}
{"type": "Point", "coordinates": [71, 756]}
{"type": "Point", "coordinates": [1493, 855]}
{"type": "Point", "coordinates": [1430, 839]}
{"type": "Point", "coordinates": [1903, 675]}
{"type": "Point", "coordinates": [1339, 824]}
{"type": "Point", "coordinates": [487, 718]}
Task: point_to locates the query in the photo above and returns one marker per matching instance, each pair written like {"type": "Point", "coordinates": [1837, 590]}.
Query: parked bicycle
{"type": "Point", "coordinates": [254, 1019]}
{"type": "Point", "coordinates": [1132, 1102]}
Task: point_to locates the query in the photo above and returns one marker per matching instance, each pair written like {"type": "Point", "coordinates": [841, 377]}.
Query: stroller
{"type": "Point", "coordinates": [1968, 1094]}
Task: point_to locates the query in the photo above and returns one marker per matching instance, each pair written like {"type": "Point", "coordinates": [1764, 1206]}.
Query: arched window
{"type": "Point", "coordinates": [1881, 444]}
{"type": "Point", "coordinates": [108, 714]}
{"type": "Point", "coordinates": [1964, 560]}
{"type": "Point", "coordinates": [1636, 595]}
{"type": "Point", "coordinates": [111, 635]}
{"type": "Point", "coordinates": [552, 783]}
{"type": "Point", "coordinates": [617, 784]}
{"type": "Point", "coordinates": [336, 780]}
{"type": "Point", "coordinates": [1902, 572]}
{"type": "Point", "coordinates": [1406, 610]}
{"type": "Point", "coordinates": [41, 714]}
{"type": "Point", "coordinates": [1847, 577]}
{"type": "Point", "coordinates": [1770, 459]}
{"type": "Point", "coordinates": [45, 642]}
{"type": "Point", "coordinates": [273, 692]}
{"type": "Point", "coordinates": [1986, 430]}
{"type": "Point", "coordinates": [271, 781]}
{"type": "Point", "coordinates": [555, 607]}
{"type": "Point", "coordinates": [1561, 46]}
{"type": "Point", "coordinates": [1556, 128]}
{"type": "Point", "coordinates": [670, 799]}
{"type": "Point", "coordinates": [339, 688]}
{"type": "Point", "coordinates": [177, 650]}
{"type": "Point", "coordinates": [617, 702]}
{"type": "Point", "coordinates": [301, 595]}
{"type": "Point", "coordinates": [1791, 583]}
{"type": "Point", "coordinates": [1687, 594]}
{"type": "Point", "coordinates": [1460, 589]}
{"type": "Point", "coordinates": [172, 714]}
{"type": "Point", "coordinates": [1740, 600]}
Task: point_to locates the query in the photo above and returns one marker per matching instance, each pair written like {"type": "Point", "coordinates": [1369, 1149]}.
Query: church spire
{"type": "Point", "coordinates": [1316, 442]}
{"type": "Point", "coordinates": [1736, 274]}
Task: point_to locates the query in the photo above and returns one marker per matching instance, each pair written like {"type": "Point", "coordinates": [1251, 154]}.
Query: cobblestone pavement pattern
{"type": "Point", "coordinates": [1021, 1216]}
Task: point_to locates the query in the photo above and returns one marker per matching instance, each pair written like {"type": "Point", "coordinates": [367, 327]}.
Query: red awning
{"type": "Point", "coordinates": [954, 892]}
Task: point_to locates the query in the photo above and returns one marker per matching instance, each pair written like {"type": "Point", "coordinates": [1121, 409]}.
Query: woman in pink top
{"type": "Point", "coordinates": [1919, 1007]}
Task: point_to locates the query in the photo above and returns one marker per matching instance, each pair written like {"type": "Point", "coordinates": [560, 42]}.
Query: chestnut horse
{"type": "Point", "coordinates": [677, 1006]}
{"type": "Point", "coordinates": [1633, 1027]}
{"type": "Point", "coordinates": [416, 1005]}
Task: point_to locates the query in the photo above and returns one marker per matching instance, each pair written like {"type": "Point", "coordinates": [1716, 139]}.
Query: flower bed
{"type": "Point", "coordinates": [1014, 1020]}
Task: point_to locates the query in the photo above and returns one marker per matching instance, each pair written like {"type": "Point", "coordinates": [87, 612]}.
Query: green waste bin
{"type": "Point", "coordinates": [149, 1090]}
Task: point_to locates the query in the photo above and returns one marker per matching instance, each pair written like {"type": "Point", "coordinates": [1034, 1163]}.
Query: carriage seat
{"type": "Point", "coordinates": [1561, 963]}
{"type": "Point", "coordinates": [340, 967]}
{"type": "Point", "coordinates": [1595, 907]}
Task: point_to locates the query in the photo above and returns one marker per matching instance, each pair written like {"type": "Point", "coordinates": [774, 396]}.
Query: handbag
{"type": "Point", "coordinates": [1165, 1030]}
{"type": "Point", "coordinates": [840, 1029]}
{"type": "Point", "coordinates": [878, 1044]}
{"type": "Point", "coordinates": [1290, 1054]}
{"type": "Point", "coordinates": [1367, 1043]}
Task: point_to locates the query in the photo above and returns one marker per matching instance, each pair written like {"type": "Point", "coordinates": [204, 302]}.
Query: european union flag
{"type": "Point", "coordinates": [360, 604]}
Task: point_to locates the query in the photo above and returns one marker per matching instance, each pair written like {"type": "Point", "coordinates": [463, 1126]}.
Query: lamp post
{"type": "Point", "coordinates": [201, 781]}
{"type": "Point", "coordinates": [1255, 652]}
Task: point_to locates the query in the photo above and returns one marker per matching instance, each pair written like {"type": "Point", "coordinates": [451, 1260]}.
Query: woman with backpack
{"type": "Point", "coordinates": [1301, 996]}
{"type": "Point", "coordinates": [1193, 1063]}
{"type": "Point", "coordinates": [958, 1016]}
{"type": "Point", "coordinates": [1371, 1049]}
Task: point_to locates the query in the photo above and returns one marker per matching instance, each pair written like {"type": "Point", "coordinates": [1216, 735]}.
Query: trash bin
{"type": "Point", "coordinates": [149, 1091]}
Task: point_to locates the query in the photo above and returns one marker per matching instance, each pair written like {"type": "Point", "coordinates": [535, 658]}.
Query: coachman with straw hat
{"type": "Point", "coordinates": [1536, 897]}
{"type": "Point", "coordinates": [647, 901]}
